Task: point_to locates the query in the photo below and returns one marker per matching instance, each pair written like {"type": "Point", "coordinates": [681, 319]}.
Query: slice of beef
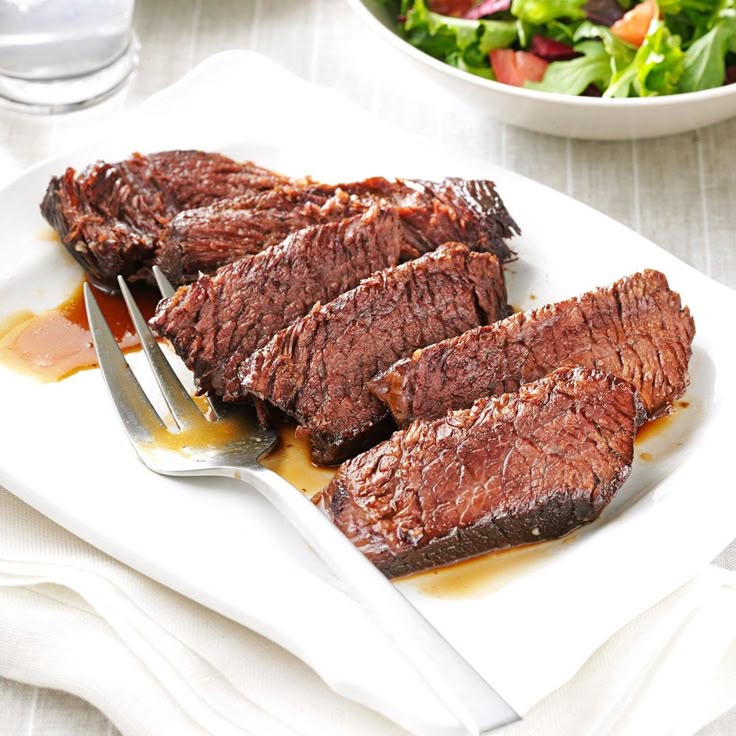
{"type": "Point", "coordinates": [515, 469]}
{"type": "Point", "coordinates": [316, 369]}
{"type": "Point", "coordinates": [637, 329]}
{"type": "Point", "coordinates": [110, 215]}
{"type": "Point", "coordinates": [432, 214]}
{"type": "Point", "coordinates": [215, 323]}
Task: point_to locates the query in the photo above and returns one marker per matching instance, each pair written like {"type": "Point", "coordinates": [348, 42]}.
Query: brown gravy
{"type": "Point", "coordinates": [656, 427]}
{"type": "Point", "coordinates": [57, 343]}
{"type": "Point", "coordinates": [292, 462]}
{"type": "Point", "coordinates": [204, 435]}
{"type": "Point", "coordinates": [290, 459]}
{"type": "Point", "coordinates": [47, 234]}
{"type": "Point", "coordinates": [486, 573]}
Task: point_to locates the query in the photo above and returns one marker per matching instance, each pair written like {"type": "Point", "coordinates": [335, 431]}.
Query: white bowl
{"type": "Point", "coordinates": [565, 115]}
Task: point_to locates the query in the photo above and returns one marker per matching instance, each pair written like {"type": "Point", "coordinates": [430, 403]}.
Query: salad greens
{"type": "Point", "coordinates": [573, 77]}
{"type": "Point", "coordinates": [537, 12]}
{"type": "Point", "coordinates": [659, 62]}
{"type": "Point", "coordinates": [465, 41]}
{"type": "Point", "coordinates": [654, 47]}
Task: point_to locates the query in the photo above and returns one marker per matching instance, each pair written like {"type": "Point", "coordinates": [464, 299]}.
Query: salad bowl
{"type": "Point", "coordinates": [564, 115]}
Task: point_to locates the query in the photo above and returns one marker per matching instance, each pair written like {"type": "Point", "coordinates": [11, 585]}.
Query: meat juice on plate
{"type": "Point", "coordinates": [487, 573]}
{"type": "Point", "coordinates": [291, 460]}
{"type": "Point", "coordinates": [57, 343]}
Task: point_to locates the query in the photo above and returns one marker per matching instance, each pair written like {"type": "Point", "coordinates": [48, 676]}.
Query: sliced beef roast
{"type": "Point", "coordinates": [432, 213]}
{"type": "Point", "coordinates": [218, 321]}
{"type": "Point", "coordinates": [316, 369]}
{"type": "Point", "coordinates": [110, 215]}
{"type": "Point", "coordinates": [514, 469]}
{"type": "Point", "coordinates": [637, 329]}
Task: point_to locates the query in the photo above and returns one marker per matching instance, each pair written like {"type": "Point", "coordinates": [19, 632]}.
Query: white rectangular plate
{"type": "Point", "coordinates": [526, 627]}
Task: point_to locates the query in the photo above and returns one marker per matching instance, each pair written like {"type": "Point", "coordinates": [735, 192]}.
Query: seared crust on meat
{"type": "Point", "coordinates": [316, 369]}
{"type": "Point", "coordinates": [110, 215]}
{"type": "Point", "coordinates": [431, 213]}
{"type": "Point", "coordinates": [519, 468]}
{"type": "Point", "coordinates": [191, 212]}
{"type": "Point", "coordinates": [636, 328]}
{"type": "Point", "coordinates": [218, 321]}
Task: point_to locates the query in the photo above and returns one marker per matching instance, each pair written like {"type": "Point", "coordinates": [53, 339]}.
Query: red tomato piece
{"type": "Point", "coordinates": [516, 67]}
{"type": "Point", "coordinates": [454, 8]}
{"type": "Point", "coordinates": [634, 26]}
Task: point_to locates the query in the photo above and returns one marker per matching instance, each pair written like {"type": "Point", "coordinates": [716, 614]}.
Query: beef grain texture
{"type": "Point", "coordinates": [432, 213]}
{"type": "Point", "coordinates": [215, 323]}
{"type": "Point", "coordinates": [110, 215]}
{"type": "Point", "coordinates": [316, 369]}
{"type": "Point", "coordinates": [523, 467]}
{"type": "Point", "coordinates": [636, 329]}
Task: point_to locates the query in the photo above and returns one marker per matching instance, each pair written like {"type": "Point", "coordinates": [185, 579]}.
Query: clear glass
{"type": "Point", "coordinates": [64, 54]}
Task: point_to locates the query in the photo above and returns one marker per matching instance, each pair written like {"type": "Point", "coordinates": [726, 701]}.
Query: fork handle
{"type": "Point", "coordinates": [466, 694]}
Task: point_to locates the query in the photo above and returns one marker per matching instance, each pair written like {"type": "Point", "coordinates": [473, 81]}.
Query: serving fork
{"type": "Point", "coordinates": [218, 445]}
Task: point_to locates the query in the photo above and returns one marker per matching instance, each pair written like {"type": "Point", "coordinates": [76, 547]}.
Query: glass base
{"type": "Point", "coordinates": [64, 95]}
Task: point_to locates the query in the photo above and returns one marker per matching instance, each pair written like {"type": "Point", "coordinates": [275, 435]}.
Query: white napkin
{"type": "Point", "coordinates": [154, 662]}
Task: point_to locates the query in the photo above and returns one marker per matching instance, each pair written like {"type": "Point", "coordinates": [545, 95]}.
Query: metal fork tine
{"type": "Point", "coordinates": [167, 291]}
{"type": "Point", "coordinates": [182, 407]}
{"type": "Point", "coordinates": [139, 418]}
{"type": "Point", "coordinates": [164, 285]}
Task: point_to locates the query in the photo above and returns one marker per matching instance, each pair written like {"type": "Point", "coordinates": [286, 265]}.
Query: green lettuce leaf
{"type": "Point", "coordinates": [705, 60]}
{"type": "Point", "coordinates": [674, 7]}
{"type": "Point", "coordinates": [538, 12]}
{"type": "Point", "coordinates": [659, 61]}
{"type": "Point", "coordinates": [692, 19]}
{"type": "Point", "coordinates": [457, 40]}
{"type": "Point", "coordinates": [563, 31]}
{"type": "Point", "coordinates": [621, 83]}
{"type": "Point", "coordinates": [572, 77]}
{"type": "Point", "coordinates": [619, 51]}
{"type": "Point", "coordinates": [726, 14]}
{"type": "Point", "coordinates": [457, 61]}
{"type": "Point", "coordinates": [656, 68]}
{"type": "Point", "coordinates": [525, 31]}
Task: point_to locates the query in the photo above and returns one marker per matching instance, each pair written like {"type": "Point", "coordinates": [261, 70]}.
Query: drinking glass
{"type": "Point", "coordinates": [58, 55]}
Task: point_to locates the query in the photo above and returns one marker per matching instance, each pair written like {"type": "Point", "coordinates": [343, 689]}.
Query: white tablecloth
{"type": "Point", "coordinates": [677, 191]}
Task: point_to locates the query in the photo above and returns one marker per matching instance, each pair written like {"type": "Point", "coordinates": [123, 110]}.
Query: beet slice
{"type": "Point", "coordinates": [551, 50]}
{"type": "Point", "coordinates": [591, 91]}
{"type": "Point", "coordinates": [603, 12]}
{"type": "Point", "coordinates": [487, 7]}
